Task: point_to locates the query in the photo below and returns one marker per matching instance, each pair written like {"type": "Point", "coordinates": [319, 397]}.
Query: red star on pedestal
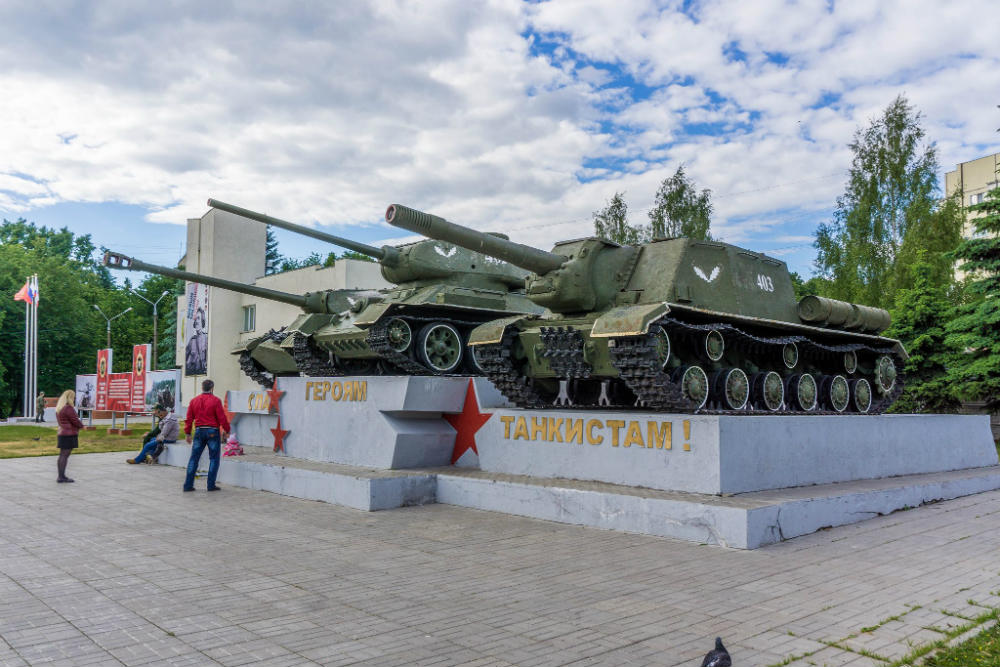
{"type": "Point", "coordinates": [466, 423]}
{"type": "Point", "coordinates": [279, 437]}
{"type": "Point", "coordinates": [274, 398]}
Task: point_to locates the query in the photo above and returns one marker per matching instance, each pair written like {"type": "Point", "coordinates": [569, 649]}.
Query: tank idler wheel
{"type": "Point", "coordinates": [715, 345]}
{"type": "Point", "coordinates": [694, 384]}
{"type": "Point", "coordinates": [731, 388]}
{"type": "Point", "coordinates": [400, 334]}
{"type": "Point", "coordinates": [850, 362]}
{"type": "Point", "coordinates": [835, 392]}
{"type": "Point", "coordinates": [802, 392]}
{"type": "Point", "coordinates": [768, 390]}
{"type": "Point", "coordinates": [472, 360]}
{"type": "Point", "coordinates": [439, 347]}
{"type": "Point", "coordinates": [790, 355]}
{"type": "Point", "coordinates": [662, 342]}
{"type": "Point", "coordinates": [885, 374]}
{"type": "Point", "coordinates": [861, 395]}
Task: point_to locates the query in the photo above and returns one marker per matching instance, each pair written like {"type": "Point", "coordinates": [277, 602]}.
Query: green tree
{"type": "Point", "coordinates": [933, 243]}
{"type": "Point", "coordinates": [611, 223]}
{"type": "Point", "coordinates": [680, 210]}
{"type": "Point", "coordinates": [975, 331]}
{"type": "Point", "coordinates": [920, 316]}
{"type": "Point", "coordinates": [815, 285]}
{"type": "Point", "coordinates": [272, 258]}
{"type": "Point", "coordinates": [890, 190]}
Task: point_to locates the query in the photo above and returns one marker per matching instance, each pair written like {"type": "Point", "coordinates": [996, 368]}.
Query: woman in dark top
{"type": "Point", "coordinates": [69, 426]}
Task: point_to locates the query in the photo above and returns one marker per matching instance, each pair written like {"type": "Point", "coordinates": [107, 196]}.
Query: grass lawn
{"type": "Point", "coordinates": [17, 441]}
{"type": "Point", "coordinates": [983, 649]}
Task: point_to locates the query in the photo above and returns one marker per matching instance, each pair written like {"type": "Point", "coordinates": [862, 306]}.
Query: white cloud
{"type": "Point", "coordinates": [498, 114]}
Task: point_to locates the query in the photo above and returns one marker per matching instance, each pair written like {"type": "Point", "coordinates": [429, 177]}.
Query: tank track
{"type": "Point", "coordinates": [495, 358]}
{"type": "Point", "coordinates": [310, 360]}
{"type": "Point", "coordinates": [638, 365]}
{"type": "Point", "coordinates": [253, 370]}
{"type": "Point", "coordinates": [564, 350]}
{"type": "Point", "coordinates": [378, 341]}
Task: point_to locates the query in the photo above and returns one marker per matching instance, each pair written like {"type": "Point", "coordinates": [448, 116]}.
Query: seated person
{"type": "Point", "coordinates": [165, 433]}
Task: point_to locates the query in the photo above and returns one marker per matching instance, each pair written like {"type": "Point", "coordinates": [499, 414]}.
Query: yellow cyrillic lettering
{"type": "Point", "coordinates": [309, 385]}
{"type": "Point", "coordinates": [507, 421]}
{"type": "Point", "coordinates": [538, 427]}
{"type": "Point", "coordinates": [361, 390]}
{"type": "Point", "coordinates": [553, 427]}
{"type": "Point", "coordinates": [659, 435]}
{"type": "Point", "coordinates": [615, 425]}
{"type": "Point", "coordinates": [336, 390]}
{"type": "Point", "coordinates": [634, 435]}
{"type": "Point", "coordinates": [521, 429]}
{"type": "Point", "coordinates": [594, 423]}
{"type": "Point", "coordinates": [574, 429]}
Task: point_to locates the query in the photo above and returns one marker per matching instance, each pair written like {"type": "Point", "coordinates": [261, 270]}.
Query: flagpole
{"type": "Point", "coordinates": [27, 357]}
{"type": "Point", "coordinates": [34, 344]}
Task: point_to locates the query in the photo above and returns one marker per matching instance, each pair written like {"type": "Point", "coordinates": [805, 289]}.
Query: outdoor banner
{"type": "Point", "coordinates": [86, 392]}
{"type": "Point", "coordinates": [104, 358]}
{"type": "Point", "coordinates": [140, 361]}
{"type": "Point", "coordinates": [196, 330]}
{"type": "Point", "coordinates": [162, 387]}
{"type": "Point", "coordinates": [120, 392]}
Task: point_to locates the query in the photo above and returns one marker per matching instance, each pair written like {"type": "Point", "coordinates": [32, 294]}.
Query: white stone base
{"type": "Point", "coordinates": [744, 521]}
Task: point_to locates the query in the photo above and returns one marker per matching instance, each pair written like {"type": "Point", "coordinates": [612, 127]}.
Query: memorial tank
{"type": "Point", "coordinates": [421, 325]}
{"type": "Point", "coordinates": [675, 324]}
{"type": "Point", "coordinates": [264, 357]}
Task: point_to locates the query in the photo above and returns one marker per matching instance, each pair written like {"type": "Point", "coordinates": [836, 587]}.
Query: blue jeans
{"type": "Point", "coordinates": [149, 448]}
{"type": "Point", "coordinates": [204, 437]}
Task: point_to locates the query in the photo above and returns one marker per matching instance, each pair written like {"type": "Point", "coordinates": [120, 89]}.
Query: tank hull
{"type": "Point", "coordinates": [686, 359]}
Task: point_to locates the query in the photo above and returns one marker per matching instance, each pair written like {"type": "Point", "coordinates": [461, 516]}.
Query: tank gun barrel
{"type": "Point", "coordinates": [115, 260]}
{"type": "Point", "coordinates": [385, 254]}
{"type": "Point", "coordinates": [432, 226]}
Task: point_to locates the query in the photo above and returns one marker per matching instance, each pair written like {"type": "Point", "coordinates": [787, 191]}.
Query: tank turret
{"type": "Point", "coordinates": [421, 325]}
{"type": "Point", "coordinates": [675, 324]}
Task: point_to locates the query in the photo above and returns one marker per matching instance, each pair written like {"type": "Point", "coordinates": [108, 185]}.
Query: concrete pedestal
{"type": "Point", "coordinates": [740, 481]}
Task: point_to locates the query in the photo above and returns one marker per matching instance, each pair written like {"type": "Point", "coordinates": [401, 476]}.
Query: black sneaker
{"type": "Point", "coordinates": [215, 488]}
{"type": "Point", "coordinates": [187, 489]}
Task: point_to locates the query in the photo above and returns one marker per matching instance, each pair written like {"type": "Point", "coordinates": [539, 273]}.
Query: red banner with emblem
{"type": "Point", "coordinates": [103, 375]}
{"type": "Point", "coordinates": [140, 366]}
{"type": "Point", "coordinates": [120, 392]}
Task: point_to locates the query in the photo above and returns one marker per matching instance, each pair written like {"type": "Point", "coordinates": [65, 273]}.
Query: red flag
{"type": "Point", "coordinates": [24, 294]}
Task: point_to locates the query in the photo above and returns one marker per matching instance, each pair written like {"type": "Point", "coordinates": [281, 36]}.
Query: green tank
{"type": "Point", "coordinates": [421, 325]}
{"type": "Point", "coordinates": [676, 325]}
{"type": "Point", "coordinates": [264, 357]}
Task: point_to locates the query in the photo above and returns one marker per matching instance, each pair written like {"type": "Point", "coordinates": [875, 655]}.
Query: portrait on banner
{"type": "Point", "coordinates": [196, 330]}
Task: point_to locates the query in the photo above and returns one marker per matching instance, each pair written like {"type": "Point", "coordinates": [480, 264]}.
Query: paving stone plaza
{"type": "Point", "coordinates": [122, 568]}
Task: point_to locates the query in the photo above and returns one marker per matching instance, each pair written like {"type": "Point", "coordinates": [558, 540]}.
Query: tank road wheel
{"type": "Point", "coordinates": [694, 384]}
{"type": "Point", "coordinates": [715, 345]}
{"type": "Point", "coordinates": [790, 355]}
{"type": "Point", "coordinates": [850, 362]}
{"type": "Point", "coordinates": [802, 391]}
{"type": "Point", "coordinates": [835, 392]}
{"type": "Point", "coordinates": [768, 390]}
{"type": "Point", "coordinates": [662, 342]}
{"type": "Point", "coordinates": [732, 388]}
{"type": "Point", "coordinates": [439, 347]}
{"type": "Point", "coordinates": [885, 373]}
{"type": "Point", "coordinates": [400, 334]}
{"type": "Point", "coordinates": [861, 395]}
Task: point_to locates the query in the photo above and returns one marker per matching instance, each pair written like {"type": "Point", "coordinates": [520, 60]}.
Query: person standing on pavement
{"type": "Point", "coordinates": [69, 427]}
{"type": "Point", "coordinates": [210, 428]}
{"type": "Point", "coordinates": [40, 407]}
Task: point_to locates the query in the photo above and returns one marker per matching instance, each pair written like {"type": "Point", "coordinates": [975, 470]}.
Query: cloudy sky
{"type": "Point", "coordinates": [120, 118]}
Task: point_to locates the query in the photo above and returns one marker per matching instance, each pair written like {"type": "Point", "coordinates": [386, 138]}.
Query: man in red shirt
{"type": "Point", "coordinates": [210, 428]}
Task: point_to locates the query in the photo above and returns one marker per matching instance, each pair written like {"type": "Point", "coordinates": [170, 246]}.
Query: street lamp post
{"type": "Point", "coordinates": [156, 349]}
{"type": "Point", "coordinates": [98, 309]}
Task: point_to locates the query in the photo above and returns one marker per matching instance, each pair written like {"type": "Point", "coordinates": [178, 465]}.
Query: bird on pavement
{"type": "Point", "coordinates": [718, 657]}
